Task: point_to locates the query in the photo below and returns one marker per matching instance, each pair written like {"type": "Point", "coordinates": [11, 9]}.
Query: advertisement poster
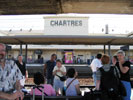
{"type": "Point", "coordinates": [68, 57]}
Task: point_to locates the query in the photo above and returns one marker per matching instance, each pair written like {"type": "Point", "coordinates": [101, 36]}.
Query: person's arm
{"type": "Point", "coordinates": [98, 84]}
{"type": "Point", "coordinates": [54, 72]}
{"type": "Point", "coordinates": [18, 86]}
{"type": "Point", "coordinates": [78, 89]}
{"type": "Point", "coordinates": [45, 67]}
{"type": "Point", "coordinates": [18, 76]}
{"type": "Point", "coordinates": [63, 73]}
{"type": "Point", "coordinates": [123, 69]}
{"type": "Point", "coordinates": [26, 76]}
{"type": "Point", "coordinates": [11, 96]}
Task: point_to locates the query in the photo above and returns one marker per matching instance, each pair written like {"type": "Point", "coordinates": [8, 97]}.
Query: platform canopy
{"type": "Point", "coordinates": [68, 40]}
{"type": "Point", "coordinates": [17, 7]}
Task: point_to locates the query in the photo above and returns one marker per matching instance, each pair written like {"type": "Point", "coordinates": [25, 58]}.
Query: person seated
{"type": "Point", "coordinates": [73, 87]}
{"type": "Point", "coordinates": [39, 80]}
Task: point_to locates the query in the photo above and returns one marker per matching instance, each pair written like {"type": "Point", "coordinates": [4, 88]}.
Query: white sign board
{"type": "Point", "coordinates": [61, 25]}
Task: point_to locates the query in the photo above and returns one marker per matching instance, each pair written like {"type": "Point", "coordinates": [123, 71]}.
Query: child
{"type": "Point", "coordinates": [59, 70]}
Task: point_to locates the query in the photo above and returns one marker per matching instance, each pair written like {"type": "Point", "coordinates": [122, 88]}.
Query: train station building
{"type": "Point", "coordinates": [71, 37]}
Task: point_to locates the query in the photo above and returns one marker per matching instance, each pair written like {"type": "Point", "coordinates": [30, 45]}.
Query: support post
{"type": "Point", "coordinates": [20, 49]}
{"type": "Point", "coordinates": [104, 49]}
{"type": "Point", "coordinates": [109, 50]}
{"type": "Point", "coordinates": [26, 46]}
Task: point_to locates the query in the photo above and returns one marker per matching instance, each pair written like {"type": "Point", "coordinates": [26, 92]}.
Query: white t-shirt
{"type": "Point", "coordinates": [96, 63]}
{"type": "Point", "coordinates": [62, 68]}
{"type": "Point", "coordinates": [71, 90]}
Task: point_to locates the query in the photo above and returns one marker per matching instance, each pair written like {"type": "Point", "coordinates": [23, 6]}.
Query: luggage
{"type": "Point", "coordinates": [34, 98]}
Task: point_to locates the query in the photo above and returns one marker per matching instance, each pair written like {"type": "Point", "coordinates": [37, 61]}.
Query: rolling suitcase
{"type": "Point", "coordinates": [41, 91]}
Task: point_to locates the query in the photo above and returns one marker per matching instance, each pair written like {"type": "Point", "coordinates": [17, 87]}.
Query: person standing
{"type": "Point", "coordinates": [95, 64]}
{"type": "Point", "coordinates": [48, 69]}
{"type": "Point", "coordinates": [59, 70]}
{"type": "Point", "coordinates": [124, 68]}
{"type": "Point", "coordinates": [21, 65]}
{"type": "Point", "coordinates": [10, 75]}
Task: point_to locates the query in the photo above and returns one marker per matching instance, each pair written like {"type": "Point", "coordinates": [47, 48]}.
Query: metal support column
{"type": "Point", "coordinates": [26, 46]}
{"type": "Point", "coordinates": [109, 50]}
{"type": "Point", "coordinates": [20, 49]}
{"type": "Point", "coordinates": [104, 49]}
{"type": "Point", "coordinates": [128, 52]}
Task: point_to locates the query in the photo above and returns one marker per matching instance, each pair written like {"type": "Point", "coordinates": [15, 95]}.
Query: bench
{"type": "Point", "coordinates": [82, 86]}
{"type": "Point", "coordinates": [30, 97]}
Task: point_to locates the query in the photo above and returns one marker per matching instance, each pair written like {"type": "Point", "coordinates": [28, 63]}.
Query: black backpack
{"type": "Point", "coordinates": [109, 82]}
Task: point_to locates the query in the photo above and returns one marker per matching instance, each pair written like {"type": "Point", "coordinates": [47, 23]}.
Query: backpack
{"type": "Point", "coordinates": [109, 82]}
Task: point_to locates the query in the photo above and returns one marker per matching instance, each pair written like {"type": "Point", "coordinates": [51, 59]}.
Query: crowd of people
{"type": "Point", "coordinates": [11, 74]}
{"type": "Point", "coordinates": [120, 66]}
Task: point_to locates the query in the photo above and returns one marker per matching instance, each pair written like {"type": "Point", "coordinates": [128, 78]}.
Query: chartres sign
{"type": "Point", "coordinates": [66, 25]}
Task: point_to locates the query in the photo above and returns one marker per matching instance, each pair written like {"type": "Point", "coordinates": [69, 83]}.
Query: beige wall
{"type": "Point", "coordinates": [87, 54]}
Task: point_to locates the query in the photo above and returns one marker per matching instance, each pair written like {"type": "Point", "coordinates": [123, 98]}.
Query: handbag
{"type": "Point", "coordinates": [121, 87]}
{"type": "Point", "coordinates": [62, 78]}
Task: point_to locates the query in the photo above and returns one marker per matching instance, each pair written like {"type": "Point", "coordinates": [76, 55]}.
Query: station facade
{"type": "Point", "coordinates": [73, 54]}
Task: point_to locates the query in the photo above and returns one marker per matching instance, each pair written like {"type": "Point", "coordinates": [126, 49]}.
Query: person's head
{"type": "Point", "coordinates": [53, 57]}
{"type": "Point", "coordinates": [105, 59]}
{"type": "Point", "coordinates": [120, 55]}
{"type": "Point", "coordinates": [115, 58]}
{"type": "Point", "coordinates": [71, 73]}
{"type": "Point", "coordinates": [2, 52]}
{"type": "Point", "coordinates": [20, 58]}
{"type": "Point", "coordinates": [99, 56]}
{"type": "Point", "coordinates": [58, 63]}
{"type": "Point", "coordinates": [39, 78]}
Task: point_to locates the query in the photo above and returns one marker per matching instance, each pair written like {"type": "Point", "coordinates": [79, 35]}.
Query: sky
{"type": "Point", "coordinates": [118, 24]}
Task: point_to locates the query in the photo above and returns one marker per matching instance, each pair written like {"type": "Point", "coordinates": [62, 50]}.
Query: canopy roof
{"type": "Point", "coordinates": [17, 7]}
{"type": "Point", "coordinates": [73, 40]}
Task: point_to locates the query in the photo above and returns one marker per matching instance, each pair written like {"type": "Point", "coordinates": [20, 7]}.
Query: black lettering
{"type": "Point", "coordinates": [76, 23]}
{"type": "Point", "coordinates": [72, 23]}
{"type": "Point", "coordinates": [64, 23]}
{"type": "Point", "coordinates": [68, 22]}
{"type": "Point", "coordinates": [52, 23]}
{"type": "Point", "coordinates": [60, 23]}
{"type": "Point", "coordinates": [56, 23]}
{"type": "Point", "coordinates": [80, 23]}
